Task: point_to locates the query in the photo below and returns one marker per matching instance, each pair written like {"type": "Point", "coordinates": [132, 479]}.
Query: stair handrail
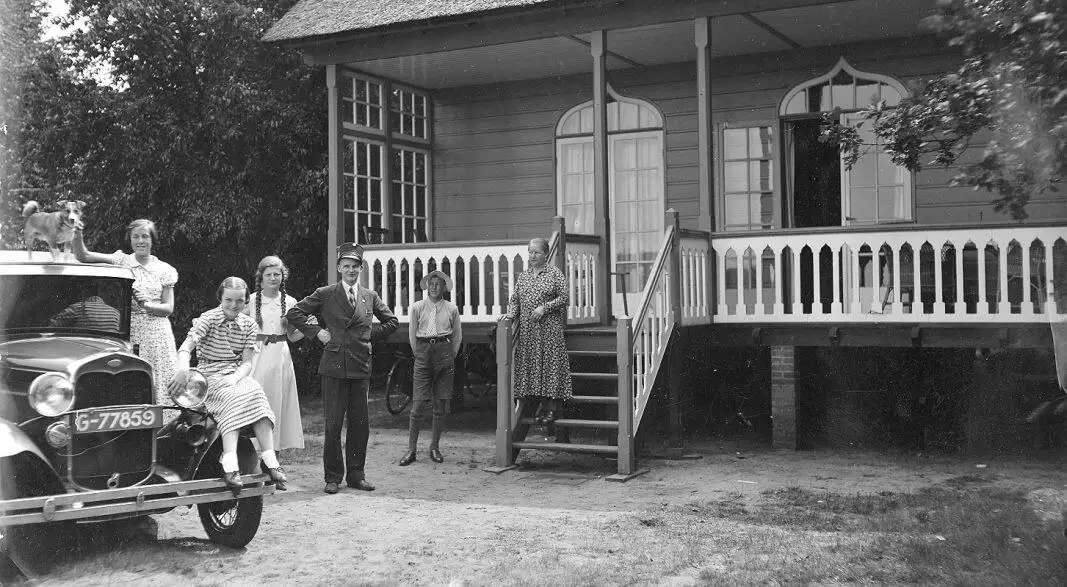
{"type": "Point", "coordinates": [653, 280]}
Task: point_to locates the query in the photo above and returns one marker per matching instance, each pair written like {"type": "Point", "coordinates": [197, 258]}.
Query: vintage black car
{"type": "Point", "coordinates": [81, 438]}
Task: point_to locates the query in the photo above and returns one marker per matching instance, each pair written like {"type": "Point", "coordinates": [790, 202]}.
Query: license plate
{"type": "Point", "coordinates": [105, 419]}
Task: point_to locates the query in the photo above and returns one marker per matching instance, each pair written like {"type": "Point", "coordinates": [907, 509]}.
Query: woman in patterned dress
{"type": "Point", "coordinates": [153, 297]}
{"type": "Point", "coordinates": [539, 302]}
{"type": "Point", "coordinates": [225, 341]}
{"type": "Point", "coordinates": [272, 366]}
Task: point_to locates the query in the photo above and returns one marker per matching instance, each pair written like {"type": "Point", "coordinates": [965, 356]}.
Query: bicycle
{"type": "Point", "coordinates": [479, 359]}
{"type": "Point", "coordinates": [400, 383]}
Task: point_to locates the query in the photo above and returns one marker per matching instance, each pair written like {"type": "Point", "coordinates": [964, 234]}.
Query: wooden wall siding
{"type": "Point", "coordinates": [494, 163]}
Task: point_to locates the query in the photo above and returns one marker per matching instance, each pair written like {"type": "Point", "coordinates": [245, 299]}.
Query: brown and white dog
{"type": "Point", "coordinates": [56, 229]}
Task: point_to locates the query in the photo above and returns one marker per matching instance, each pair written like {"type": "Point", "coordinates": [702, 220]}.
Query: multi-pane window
{"type": "Point", "coordinates": [748, 178]}
{"type": "Point", "coordinates": [407, 114]}
{"type": "Point", "coordinates": [361, 187]}
{"type": "Point", "coordinates": [876, 188]}
{"type": "Point", "coordinates": [361, 102]}
{"type": "Point", "coordinates": [385, 189]}
{"type": "Point", "coordinates": [576, 184]}
{"type": "Point", "coordinates": [409, 195]}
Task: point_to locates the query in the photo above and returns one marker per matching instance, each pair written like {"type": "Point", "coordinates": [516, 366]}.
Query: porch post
{"type": "Point", "coordinates": [504, 426]}
{"type": "Point", "coordinates": [624, 359]}
{"type": "Point", "coordinates": [674, 349]}
{"type": "Point", "coordinates": [601, 203]}
{"type": "Point", "coordinates": [783, 397]}
{"type": "Point", "coordinates": [333, 122]}
{"type": "Point", "coordinates": [705, 127]}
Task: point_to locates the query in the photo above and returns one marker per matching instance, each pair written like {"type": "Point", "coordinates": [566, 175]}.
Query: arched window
{"type": "Point", "coordinates": [636, 179]}
{"type": "Point", "coordinates": [843, 87]}
{"type": "Point", "coordinates": [819, 189]}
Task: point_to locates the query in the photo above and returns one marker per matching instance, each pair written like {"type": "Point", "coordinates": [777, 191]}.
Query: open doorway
{"type": "Point", "coordinates": [816, 175]}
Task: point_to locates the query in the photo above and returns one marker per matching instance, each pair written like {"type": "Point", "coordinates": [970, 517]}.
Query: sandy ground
{"type": "Point", "coordinates": [453, 523]}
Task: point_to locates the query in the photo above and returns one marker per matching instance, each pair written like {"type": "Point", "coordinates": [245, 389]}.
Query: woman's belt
{"type": "Point", "coordinates": [269, 338]}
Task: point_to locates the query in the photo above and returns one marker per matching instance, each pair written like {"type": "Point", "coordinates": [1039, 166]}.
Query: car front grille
{"type": "Point", "coordinates": [100, 456]}
{"type": "Point", "coordinates": [95, 390]}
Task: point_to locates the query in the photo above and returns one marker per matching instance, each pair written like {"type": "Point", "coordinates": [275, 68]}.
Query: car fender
{"type": "Point", "coordinates": [14, 441]}
{"type": "Point", "coordinates": [24, 470]}
{"type": "Point", "coordinates": [247, 455]}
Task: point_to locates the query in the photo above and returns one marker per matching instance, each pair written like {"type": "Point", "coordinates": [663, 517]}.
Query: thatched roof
{"type": "Point", "coordinates": [323, 18]}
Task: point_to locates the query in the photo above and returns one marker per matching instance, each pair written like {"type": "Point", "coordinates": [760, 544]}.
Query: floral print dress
{"type": "Point", "coordinates": [152, 334]}
{"type": "Point", "coordinates": [542, 366]}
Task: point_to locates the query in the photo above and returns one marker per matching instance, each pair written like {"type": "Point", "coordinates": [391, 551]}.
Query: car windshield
{"type": "Point", "coordinates": [65, 303]}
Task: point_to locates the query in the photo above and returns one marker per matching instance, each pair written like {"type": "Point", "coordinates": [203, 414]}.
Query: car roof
{"type": "Point", "coordinates": [40, 263]}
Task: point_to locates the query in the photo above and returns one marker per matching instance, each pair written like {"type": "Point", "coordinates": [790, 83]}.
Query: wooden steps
{"type": "Point", "coordinates": [595, 376]}
{"type": "Point", "coordinates": [592, 351]}
{"type": "Point", "coordinates": [595, 399]}
{"type": "Point", "coordinates": [575, 423]}
{"type": "Point", "coordinates": [602, 449]}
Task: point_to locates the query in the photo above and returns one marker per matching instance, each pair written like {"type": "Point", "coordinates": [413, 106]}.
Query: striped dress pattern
{"type": "Point", "coordinates": [220, 343]}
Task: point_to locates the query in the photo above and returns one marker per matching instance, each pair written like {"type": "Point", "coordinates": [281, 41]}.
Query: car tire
{"type": "Point", "coordinates": [31, 549]}
{"type": "Point", "coordinates": [232, 523]}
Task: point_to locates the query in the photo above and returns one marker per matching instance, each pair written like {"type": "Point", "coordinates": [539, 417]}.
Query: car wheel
{"type": "Point", "coordinates": [31, 549]}
{"type": "Point", "coordinates": [232, 523]}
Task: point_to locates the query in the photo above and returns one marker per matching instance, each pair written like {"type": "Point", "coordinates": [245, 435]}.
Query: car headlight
{"type": "Point", "coordinates": [51, 394]}
{"type": "Point", "coordinates": [194, 393]}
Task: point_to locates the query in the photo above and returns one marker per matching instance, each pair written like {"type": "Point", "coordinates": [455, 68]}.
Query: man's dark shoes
{"type": "Point", "coordinates": [435, 456]}
{"type": "Point", "coordinates": [361, 485]}
{"type": "Point", "coordinates": [407, 459]}
{"type": "Point", "coordinates": [332, 487]}
{"type": "Point", "coordinates": [279, 478]}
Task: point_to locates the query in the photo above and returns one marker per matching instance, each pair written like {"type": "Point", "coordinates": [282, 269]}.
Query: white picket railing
{"type": "Point", "coordinates": [694, 253]}
{"type": "Point", "coordinates": [583, 258]}
{"type": "Point", "coordinates": [481, 271]}
{"type": "Point", "coordinates": [926, 275]}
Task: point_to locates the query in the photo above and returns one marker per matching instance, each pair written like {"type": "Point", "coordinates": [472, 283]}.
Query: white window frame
{"type": "Point", "coordinates": [786, 114]}
{"type": "Point", "coordinates": [720, 168]}
{"type": "Point", "coordinates": [355, 211]}
{"type": "Point", "coordinates": [403, 214]}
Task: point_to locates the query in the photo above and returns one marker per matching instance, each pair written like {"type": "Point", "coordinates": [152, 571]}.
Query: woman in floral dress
{"type": "Point", "coordinates": [153, 300]}
{"type": "Point", "coordinates": [539, 302]}
{"type": "Point", "coordinates": [272, 366]}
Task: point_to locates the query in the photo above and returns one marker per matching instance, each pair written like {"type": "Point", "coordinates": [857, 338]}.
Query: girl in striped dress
{"type": "Point", "coordinates": [225, 342]}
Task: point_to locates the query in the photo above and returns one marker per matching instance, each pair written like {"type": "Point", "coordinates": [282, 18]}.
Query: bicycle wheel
{"type": "Point", "coordinates": [399, 386]}
{"type": "Point", "coordinates": [481, 363]}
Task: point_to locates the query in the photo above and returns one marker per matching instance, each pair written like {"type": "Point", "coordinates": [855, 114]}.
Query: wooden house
{"type": "Point", "coordinates": [670, 149]}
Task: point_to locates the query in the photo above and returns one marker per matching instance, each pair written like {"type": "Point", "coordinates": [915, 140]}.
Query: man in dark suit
{"type": "Point", "coordinates": [347, 311]}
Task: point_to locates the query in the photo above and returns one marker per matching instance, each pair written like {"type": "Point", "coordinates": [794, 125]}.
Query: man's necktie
{"type": "Point", "coordinates": [352, 295]}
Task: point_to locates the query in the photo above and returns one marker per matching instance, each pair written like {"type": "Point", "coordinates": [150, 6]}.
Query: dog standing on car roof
{"type": "Point", "coordinates": [56, 229]}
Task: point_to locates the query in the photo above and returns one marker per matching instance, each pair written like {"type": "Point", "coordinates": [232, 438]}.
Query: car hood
{"type": "Point", "coordinates": [55, 353]}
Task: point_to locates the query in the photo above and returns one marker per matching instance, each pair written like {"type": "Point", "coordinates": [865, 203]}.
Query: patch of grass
{"type": "Point", "coordinates": [962, 481]}
{"type": "Point", "coordinates": [968, 533]}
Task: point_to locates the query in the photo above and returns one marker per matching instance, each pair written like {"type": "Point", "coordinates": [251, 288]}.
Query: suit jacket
{"type": "Point", "coordinates": [348, 354]}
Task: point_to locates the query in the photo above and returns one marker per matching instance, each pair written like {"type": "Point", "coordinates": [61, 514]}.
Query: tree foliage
{"type": "Point", "coordinates": [197, 125]}
{"type": "Point", "coordinates": [1010, 87]}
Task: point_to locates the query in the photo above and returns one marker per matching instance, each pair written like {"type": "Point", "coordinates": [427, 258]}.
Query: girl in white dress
{"type": "Point", "coordinates": [272, 366]}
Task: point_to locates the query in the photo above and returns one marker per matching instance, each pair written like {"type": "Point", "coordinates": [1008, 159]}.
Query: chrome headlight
{"type": "Point", "coordinates": [51, 394]}
{"type": "Point", "coordinates": [194, 393]}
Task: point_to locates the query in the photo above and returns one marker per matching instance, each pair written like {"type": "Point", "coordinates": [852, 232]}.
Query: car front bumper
{"type": "Point", "coordinates": [130, 500]}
